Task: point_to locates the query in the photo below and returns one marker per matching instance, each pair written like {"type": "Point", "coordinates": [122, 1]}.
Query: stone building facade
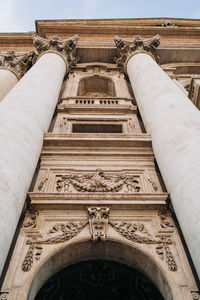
{"type": "Point", "coordinates": [99, 153]}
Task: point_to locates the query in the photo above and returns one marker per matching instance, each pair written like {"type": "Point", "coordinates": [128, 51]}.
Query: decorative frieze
{"type": "Point", "coordinates": [127, 49]}
{"type": "Point", "coordinates": [165, 253]}
{"type": "Point", "coordinates": [98, 221]}
{"type": "Point", "coordinates": [65, 48]}
{"type": "Point", "coordinates": [18, 64]}
{"type": "Point", "coordinates": [98, 182]}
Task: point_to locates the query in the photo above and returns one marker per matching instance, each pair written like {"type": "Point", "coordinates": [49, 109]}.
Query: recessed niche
{"type": "Point", "coordinates": [96, 128]}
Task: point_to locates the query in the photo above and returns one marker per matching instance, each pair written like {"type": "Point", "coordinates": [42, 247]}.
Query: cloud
{"type": "Point", "coordinates": [90, 8]}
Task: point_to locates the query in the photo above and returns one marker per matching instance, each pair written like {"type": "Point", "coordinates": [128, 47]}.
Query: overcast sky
{"type": "Point", "coordinates": [20, 15]}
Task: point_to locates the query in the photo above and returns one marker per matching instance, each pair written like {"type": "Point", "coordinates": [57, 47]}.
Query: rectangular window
{"type": "Point", "coordinates": [96, 128]}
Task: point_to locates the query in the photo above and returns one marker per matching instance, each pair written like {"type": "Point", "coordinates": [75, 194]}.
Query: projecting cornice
{"type": "Point", "coordinates": [65, 48]}
{"type": "Point", "coordinates": [127, 49]}
{"type": "Point", "coordinates": [18, 64]}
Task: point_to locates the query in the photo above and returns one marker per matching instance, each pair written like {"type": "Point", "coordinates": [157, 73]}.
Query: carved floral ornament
{"type": "Point", "coordinates": [98, 182]}
{"type": "Point", "coordinates": [65, 48]}
{"type": "Point", "coordinates": [18, 64]}
{"type": "Point", "coordinates": [127, 49]}
{"type": "Point", "coordinates": [98, 220]}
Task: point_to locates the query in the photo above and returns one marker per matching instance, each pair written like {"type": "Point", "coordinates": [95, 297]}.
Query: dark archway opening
{"type": "Point", "coordinates": [99, 279]}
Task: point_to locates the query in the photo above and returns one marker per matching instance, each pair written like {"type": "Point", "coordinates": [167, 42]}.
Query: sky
{"type": "Point", "coordinates": [20, 15]}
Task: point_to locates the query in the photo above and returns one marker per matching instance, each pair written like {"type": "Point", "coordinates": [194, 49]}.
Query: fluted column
{"type": "Point", "coordinates": [25, 116]}
{"type": "Point", "coordinates": [174, 124]}
{"type": "Point", "coordinates": [12, 68]}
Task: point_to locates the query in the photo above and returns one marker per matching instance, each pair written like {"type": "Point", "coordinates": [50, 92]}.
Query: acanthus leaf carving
{"type": "Point", "coordinates": [126, 48]}
{"type": "Point", "coordinates": [69, 231]}
{"type": "Point", "coordinates": [18, 64]}
{"type": "Point", "coordinates": [137, 233]}
{"type": "Point", "coordinates": [66, 48]}
{"type": "Point", "coordinates": [98, 221]}
{"type": "Point", "coordinates": [98, 182]}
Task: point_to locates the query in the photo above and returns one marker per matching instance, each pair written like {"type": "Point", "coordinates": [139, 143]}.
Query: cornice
{"type": "Point", "coordinates": [147, 27]}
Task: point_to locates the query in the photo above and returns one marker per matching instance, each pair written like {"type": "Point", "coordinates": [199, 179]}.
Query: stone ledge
{"type": "Point", "coordinates": [134, 201]}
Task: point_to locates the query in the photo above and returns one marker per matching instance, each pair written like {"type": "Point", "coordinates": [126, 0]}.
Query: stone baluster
{"type": "Point", "coordinates": [174, 124]}
{"type": "Point", "coordinates": [25, 116]}
{"type": "Point", "coordinates": [12, 68]}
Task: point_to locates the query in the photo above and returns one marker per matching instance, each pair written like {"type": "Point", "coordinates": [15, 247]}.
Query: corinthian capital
{"type": "Point", "coordinates": [18, 64]}
{"type": "Point", "coordinates": [65, 48]}
{"type": "Point", "coordinates": [126, 49]}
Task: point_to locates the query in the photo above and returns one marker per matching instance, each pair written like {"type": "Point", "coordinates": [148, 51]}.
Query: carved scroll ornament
{"type": "Point", "coordinates": [136, 232]}
{"type": "Point", "coordinates": [66, 48]}
{"type": "Point", "coordinates": [4, 296]}
{"type": "Point", "coordinates": [98, 221]}
{"type": "Point", "coordinates": [195, 295]}
{"type": "Point", "coordinates": [126, 49]}
{"type": "Point", "coordinates": [98, 182]}
{"type": "Point", "coordinates": [18, 64]}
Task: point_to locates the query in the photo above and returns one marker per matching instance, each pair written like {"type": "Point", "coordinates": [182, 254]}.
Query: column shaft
{"type": "Point", "coordinates": [7, 81]}
{"type": "Point", "coordinates": [174, 124]}
{"type": "Point", "coordinates": [25, 115]}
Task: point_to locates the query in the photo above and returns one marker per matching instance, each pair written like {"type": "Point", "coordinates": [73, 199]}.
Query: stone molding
{"type": "Point", "coordinates": [17, 64]}
{"type": "Point", "coordinates": [65, 48]}
{"type": "Point", "coordinates": [127, 49]}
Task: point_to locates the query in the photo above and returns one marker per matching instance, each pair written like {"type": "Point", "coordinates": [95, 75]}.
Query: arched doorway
{"type": "Point", "coordinates": [99, 279]}
{"type": "Point", "coordinates": [111, 250]}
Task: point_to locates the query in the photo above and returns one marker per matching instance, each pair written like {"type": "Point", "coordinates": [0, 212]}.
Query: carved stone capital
{"type": "Point", "coordinates": [98, 221]}
{"type": "Point", "coordinates": [18, 64]}
{"type": "Point", "coordinates": [65, 48]}
{"type": "Point", "coordinates": [127, 49]}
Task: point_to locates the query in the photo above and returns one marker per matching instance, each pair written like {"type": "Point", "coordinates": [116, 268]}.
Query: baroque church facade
{"type": "Point", "coordinates": [99, 160]}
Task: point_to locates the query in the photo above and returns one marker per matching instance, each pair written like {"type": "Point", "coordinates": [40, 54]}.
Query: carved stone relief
{"type": "Point", "coordinates": [30, 220]}
{"type": "Point", "coordinates": [153, 184]}
{"type": "Point", "coordinates": [136, 232]}
{"type": "Point", "coordinates": [126, 48]}
{"type": "Point", "coordinates": [66, 48]}
{"type": "Point", "coordinates": [18, 64]}
{"type": "Point", "coordinates": [98, 221]}
{"type": "Point", "coordinates": [164, 222]}
{"type": "Point", "coordinates": [68, 231]}
{"type": "Point", "coordinates": [98, 182]}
